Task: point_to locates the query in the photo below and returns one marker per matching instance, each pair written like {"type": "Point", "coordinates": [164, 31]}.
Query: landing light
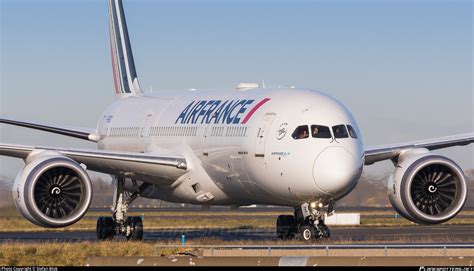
{"type": "Point", "coordinates": [316, 204]}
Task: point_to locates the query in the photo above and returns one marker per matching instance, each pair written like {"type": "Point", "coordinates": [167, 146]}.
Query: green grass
{"type": "Point", "coordinates": [75, 254]}
{"type": "Point", "coordinates": [66, 254]}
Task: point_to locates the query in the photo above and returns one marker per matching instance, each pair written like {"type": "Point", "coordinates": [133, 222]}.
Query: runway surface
{"type": "Point", "coordinates": [420, 234]}
{"type": "Point", "coordinates": [258, 216]}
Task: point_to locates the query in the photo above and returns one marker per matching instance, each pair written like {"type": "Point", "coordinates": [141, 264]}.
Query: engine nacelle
{"type": "Point", "coordinates": [52, 190]}
{"type": "Point", "coordinates": [427, 188]}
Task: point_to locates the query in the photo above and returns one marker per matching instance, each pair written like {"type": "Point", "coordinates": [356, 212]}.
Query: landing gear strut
{"type": "Point", "coordinates": [117, 225]}
{"type": "Point", "coordinates": [307, 224]}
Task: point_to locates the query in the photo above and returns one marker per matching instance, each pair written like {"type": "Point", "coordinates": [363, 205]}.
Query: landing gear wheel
{"type": "Point", "coordinates": [286, 226]}
{"type": "Point", "coordinates": [306, 233]}
{"type": "Point", "coordinates": [105, 228]}
{"type": "Point", "coordinates": [135, 225]}
{"type": "Point", "coordinates": [324, 231]}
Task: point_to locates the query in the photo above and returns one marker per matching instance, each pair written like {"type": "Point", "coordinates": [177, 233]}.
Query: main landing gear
{"type": "Point", "coordinates": [307, 224]}
{"type": "Point", "coordinates": [131, 227]}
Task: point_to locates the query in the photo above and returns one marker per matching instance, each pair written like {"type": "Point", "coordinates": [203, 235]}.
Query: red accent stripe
{"type": "Point", "coordinates": [249, 115]}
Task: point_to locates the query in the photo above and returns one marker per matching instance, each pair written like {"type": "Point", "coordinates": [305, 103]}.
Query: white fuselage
{"type": "Point", "coordinates": [240, 146]}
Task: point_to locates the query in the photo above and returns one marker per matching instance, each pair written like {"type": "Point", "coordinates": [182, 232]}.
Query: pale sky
{"type": "Point", "coordinates": [403, 67]}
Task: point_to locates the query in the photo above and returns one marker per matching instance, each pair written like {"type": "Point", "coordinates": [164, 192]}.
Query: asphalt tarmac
{"type": "Point", "coordinates": [419, 234]}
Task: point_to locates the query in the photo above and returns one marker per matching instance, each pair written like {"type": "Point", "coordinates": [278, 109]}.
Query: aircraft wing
{"type": "Point", "coordinates": [392, 151]}
{"type": "Point", "coordinates": [81, 133]}
{"type": "Point", "coordinates": [144, 167]}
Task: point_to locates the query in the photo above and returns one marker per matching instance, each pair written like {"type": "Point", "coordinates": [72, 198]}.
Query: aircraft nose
{"type": "Point", "coordinates": [336, 171]}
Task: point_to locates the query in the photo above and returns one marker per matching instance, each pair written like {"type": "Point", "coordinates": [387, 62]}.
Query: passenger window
{"type": "Point", "coordinates": [340, 131]}
{"type": "Point", "coordinates": [301, 132]}
{"type": "Point", "coordinates": [352, 131]}
{"type": "Point", "coordinates": [318, 131]}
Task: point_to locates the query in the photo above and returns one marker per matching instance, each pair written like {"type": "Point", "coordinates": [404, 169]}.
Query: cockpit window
{"type": "Point", "coordinates": [352, 131]}
{"type": "Point", "coordinates": [340, 131]}
{"type": "Point", "coordinates": [319, 131]}
{"type": "Point", "coordinates": [301, 132]}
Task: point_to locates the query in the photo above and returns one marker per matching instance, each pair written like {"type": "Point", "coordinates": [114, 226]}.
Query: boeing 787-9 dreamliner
{"type": "Point", "coordinates": [253, 145]}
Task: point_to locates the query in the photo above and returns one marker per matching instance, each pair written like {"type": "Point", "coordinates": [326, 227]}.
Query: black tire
{"type": "Point", "coordinates": [306, 233]}
{"type": "Point", "coordinates": [105, 228]}
{"type": "Point", "coordinates": [279, 227]}
{"type": "Point", "coordinates": [136, 226]}
{"type": "Point", "coordinates": [285, 226]}
{"type": "Point", "coordinates": [325, 230]}
{"type": "Point", "coordinates": [292, 226]}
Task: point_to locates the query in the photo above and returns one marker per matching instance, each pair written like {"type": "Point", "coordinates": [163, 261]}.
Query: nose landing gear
{"type": "Point", "coordinates": [307, 224]}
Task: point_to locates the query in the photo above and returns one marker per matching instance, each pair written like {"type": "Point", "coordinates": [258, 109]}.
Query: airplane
{"type": "Point", "coordinates": [253, 145]}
